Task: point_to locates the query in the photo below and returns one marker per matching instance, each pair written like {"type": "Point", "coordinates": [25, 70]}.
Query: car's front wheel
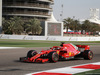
{"type": "Point", "coordinates": [31, 53]}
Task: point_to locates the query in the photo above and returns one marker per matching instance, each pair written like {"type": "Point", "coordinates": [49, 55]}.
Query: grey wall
{"type": "Point", "coordinates": [50, 38]}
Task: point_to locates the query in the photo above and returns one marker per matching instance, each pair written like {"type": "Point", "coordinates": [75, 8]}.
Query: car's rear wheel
{"type": "Point", "coordinates": [53, 56]}
{"type": "Point", "coordinates": [31, 53]}
{"type": "Point", "coordinates": [88, 54]}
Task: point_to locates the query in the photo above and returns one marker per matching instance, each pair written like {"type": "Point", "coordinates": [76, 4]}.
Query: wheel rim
{"type": "Point", "coordinates": [33, 53]}
{"type": "Point", "coordinates": [90, 55]}
{"type": "Point", "coordinates": [55, 57]}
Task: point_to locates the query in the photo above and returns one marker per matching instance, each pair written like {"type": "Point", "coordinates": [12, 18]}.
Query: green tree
{"type": "Point", "coordinates": [6, 27]}
{"type": "Point", "coordinates": [86, 25]}
{"type": "Point", "coordinates": [33, 26]}
{"type": "Point", "coordinates": [76, 26]}
{"type": "Point", "coordinates": [13, 25]}
{"type": "Point", "coordinates": [90, 27]}
{"type": "Point", "coordinates": [94, 27]}
{"type": "Point", "coordinates": [67, 23]}
{"type": "Point", "coordinates": [17, 25]}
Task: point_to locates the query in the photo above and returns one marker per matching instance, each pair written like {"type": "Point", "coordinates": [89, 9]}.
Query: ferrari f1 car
{"type": "Point", "coordinates": [62, 52]}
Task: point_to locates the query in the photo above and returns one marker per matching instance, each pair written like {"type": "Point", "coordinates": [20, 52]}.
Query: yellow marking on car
{"type": "Point", "coordinates": [70, 53]}
{"type": "Point", "coordinates": [57, 52]}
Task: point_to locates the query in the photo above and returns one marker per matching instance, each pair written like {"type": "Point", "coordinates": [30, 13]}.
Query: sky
{"type": "Point", "coordinates": [79, 9]}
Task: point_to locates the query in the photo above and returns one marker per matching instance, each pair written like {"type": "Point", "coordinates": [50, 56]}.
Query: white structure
{"type": "Point", "coordinates": [52, 28]}
{"type": "Point", "coordinates": [94, 16]}
{"type": "Point", "coordinates": [94, 13]}
{"type": "Point", "coordinates": [52, 18]}
{"type": "Point", "coordinates": [0, 15]}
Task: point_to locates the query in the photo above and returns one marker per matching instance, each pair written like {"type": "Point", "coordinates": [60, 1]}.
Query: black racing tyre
{"type": "Point", "coordinates": [31, 53]}
{"type": "Point", "coordinates": [88, 54]}
{"type": "Point", "coordinates": [53, 56]}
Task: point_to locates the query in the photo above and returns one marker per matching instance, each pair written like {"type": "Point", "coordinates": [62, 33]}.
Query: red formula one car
{"type": "Point", "coordinates": [62, 52]}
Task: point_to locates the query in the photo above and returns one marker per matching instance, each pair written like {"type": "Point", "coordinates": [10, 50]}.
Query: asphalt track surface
{"type": "Point", "coordinates": [10, 64]}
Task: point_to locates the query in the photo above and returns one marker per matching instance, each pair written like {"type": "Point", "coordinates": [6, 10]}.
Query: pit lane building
{"type": "Point", "coordinates": [27, 9]}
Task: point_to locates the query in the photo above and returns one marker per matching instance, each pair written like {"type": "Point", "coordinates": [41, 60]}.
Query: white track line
{"type": "Point", "coordinates": [68, 70]}
{"type": "Point", "coordinates": [9, 47]}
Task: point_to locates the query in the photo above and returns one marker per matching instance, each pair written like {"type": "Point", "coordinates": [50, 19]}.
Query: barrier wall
{"type": "Point", "coordinates": [50, 38]}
